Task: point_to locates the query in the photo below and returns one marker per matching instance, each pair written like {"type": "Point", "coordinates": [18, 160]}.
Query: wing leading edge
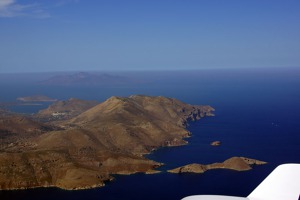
{"type": "Point", "coordinates": [282, 183]}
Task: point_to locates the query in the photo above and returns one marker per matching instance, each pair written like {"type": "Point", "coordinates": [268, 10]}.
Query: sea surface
{"type": "Point", "coordinates": [257, 116]}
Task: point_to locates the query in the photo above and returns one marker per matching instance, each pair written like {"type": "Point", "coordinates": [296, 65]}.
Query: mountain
{"type": "Point", "coordinates": [109, 138]}
{"type": "Point", "coordinates": [141, 123]}
{"type": "Point", "coordinates": [84, 78]}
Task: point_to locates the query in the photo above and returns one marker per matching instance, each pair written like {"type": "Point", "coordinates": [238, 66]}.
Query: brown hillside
{"type": "Point", "coordinates": [15, 129]}
{"type": "Point", "coordinates": [139, 124]}
{"type": "Point", "coordinates": [62, 110]}
{"type": "Point", "coordinates": [109, 138]}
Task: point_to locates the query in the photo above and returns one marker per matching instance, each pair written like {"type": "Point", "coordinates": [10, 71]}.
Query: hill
{"type": "Point", "coordinates": [62, 110]}
{"type": "Point", "coordinates": [17, 130]}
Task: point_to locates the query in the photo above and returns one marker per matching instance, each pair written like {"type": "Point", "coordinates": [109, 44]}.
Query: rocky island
{"type": "Point", "coordinates": [86, 148]}
{"type": "Point", "coordinates": [215, 143]}
{"type": "Point", "coordinates": [234, 163]}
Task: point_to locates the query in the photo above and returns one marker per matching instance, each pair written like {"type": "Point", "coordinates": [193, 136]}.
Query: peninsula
{"type": "Point", "coordinates": [62, 110]}
{"type": "Point", "coordinates": [85, 149]}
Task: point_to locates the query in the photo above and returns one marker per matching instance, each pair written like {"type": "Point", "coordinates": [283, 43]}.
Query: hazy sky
{"type": "Point", "coordinates": [64, 35]}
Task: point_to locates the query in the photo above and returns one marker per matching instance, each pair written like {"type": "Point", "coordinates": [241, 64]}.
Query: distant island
{"type": "Point", "coordinates": [234, 163]}
{"type": "Point", "coordinates": [95, 141]}
{"type": "Point", "coordinates": [36, 98]}
{"type": "Point", "coordinates": [86, 79]}
{"type": "Point", "coordinates": [215, 143]}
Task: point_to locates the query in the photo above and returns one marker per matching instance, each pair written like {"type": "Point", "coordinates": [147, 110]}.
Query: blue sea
{"type": "Point", "coordinates": [257, 116]}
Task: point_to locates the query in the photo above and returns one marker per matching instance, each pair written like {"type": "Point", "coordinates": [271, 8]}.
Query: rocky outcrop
{"type": "Point", "coordinates": [109, 138]}
{"type": "Point", "coordinates": [215, 143]}
{"type": "Point", "coordinates": [234, 163]}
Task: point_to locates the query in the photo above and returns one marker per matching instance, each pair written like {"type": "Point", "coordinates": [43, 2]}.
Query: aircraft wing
{"type": "Point", "coordinates": [213, 197]}
{"type": "Point", "coordinates": [282, 184]}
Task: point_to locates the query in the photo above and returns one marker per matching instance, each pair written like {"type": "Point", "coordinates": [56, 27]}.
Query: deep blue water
{"type": "Point", "coordinates": [257, 116]}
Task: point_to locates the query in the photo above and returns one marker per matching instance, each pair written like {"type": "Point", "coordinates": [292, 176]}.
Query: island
{"type": "Point", "coordinates": [87, 79]}
{"type": "Point", "coordinates": [36, 98]}
{"type": "Point", "coordinates": [85, 149]}
{"type": "Point", "coordinates": [215, 143]}
{"type": "Point", "coordinates": [234, 163]}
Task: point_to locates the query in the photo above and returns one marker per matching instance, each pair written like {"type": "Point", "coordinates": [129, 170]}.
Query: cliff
{"type": "Point", "coordinates": [109, 138]}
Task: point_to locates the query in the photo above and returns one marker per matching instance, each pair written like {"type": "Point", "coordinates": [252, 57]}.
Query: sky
{"type": "Point", "coordinates": [97, 35]}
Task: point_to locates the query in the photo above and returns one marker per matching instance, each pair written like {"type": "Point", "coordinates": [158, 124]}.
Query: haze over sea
{"type": "Point", "coordinates": [257, 116]}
